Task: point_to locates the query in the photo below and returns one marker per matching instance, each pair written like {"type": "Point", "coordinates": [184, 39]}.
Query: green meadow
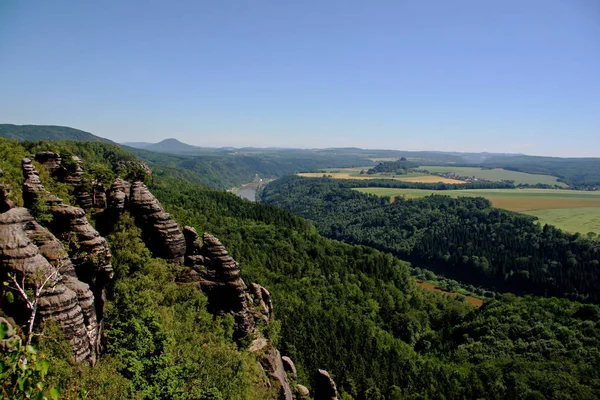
{"type": "Point", "coordinates": [497, 174]}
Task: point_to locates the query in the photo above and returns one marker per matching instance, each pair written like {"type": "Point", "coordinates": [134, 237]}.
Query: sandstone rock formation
{"type": "Point", "coordinates": [160, 232]}
{"type": "Point", "coordinates": [73, 174]}
{"type": "Point", "coordinates": [21, 258]}
{"type": "Point", "coordinates": [99, 197]}
{"type": "Point", "coordinates": [262, 299]}
{"type": "Point", "coordinates": [5, 203]}
{"type": "Point", "coordinates": [50, 160]}
{"type": "Point", "coordinates": [303, 391]}
{"type": "Point", "coordinates": [289, 366]}
{"type": "Point", "coordinates": [118, 194]}
{"type": "Point", "coordinates": [325, 388]}
{"type": "Point", "coordinates": [216, 273]}
{"type": "Point", "coordinates": [88, 250]}
{"type": "Point", "coordinates": [272, 364]}
{"type": "Point", "coordinates": [33, 188]}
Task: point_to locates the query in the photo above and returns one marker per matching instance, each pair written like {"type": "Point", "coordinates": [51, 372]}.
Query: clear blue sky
{"type": "Point", "coordinates": [479, 75]}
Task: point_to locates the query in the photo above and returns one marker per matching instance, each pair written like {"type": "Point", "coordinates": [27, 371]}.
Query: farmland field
{"type": "Point", "coordinates": [355, 174]}
{"type": "Point", "coordinates": [571, 210]}
{"type": "Point", "coordinates": [497, 174]}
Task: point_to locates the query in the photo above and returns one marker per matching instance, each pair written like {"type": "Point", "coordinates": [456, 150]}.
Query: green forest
{"type": "Point", "coordinates": [352, 309]}
{"type": "Point", "coordinates": [464, 238]}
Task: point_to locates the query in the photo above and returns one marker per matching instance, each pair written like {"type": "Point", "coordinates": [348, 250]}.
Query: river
{"type": "Point", "coordinates": [248, 191]}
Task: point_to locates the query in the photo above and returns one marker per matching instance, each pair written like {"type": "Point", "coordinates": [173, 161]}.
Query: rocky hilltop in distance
{"type": "Point", "coordinates": [66, 265]}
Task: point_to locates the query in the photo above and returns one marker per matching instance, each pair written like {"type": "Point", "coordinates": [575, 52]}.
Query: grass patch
{"type": "Point", "coordinates": [497, 174]}
{"type": "Point", "coordinates": [582, 220]}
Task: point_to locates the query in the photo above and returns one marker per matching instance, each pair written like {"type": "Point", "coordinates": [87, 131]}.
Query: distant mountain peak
{"type": "Point", "coordinates": [170, 145]}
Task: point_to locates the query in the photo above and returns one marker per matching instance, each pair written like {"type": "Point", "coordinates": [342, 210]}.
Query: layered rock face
{"type": "Point", "coordinates": [218, 275]}
{"type": "Point", "coordinates": [161, 234]}
{"type": "Point", "coordinates": [88, 251]}
{"type": "Point", "coordinates": [33, 188]}
{"type": "Point", "coordinates": [5, 203]}
{"type": "Point", "coordinates": [63, 299]}
{"type": "Point", "coordinates": [50, 160]}
{"type": "Point", "coordinates": [118, 195]}
{"type": "Point", "coordinates": [74, 296]}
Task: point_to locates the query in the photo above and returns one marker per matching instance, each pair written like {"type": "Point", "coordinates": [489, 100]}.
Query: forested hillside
{"type": "Point", "coordinates": [225, 169]}
{"type": "Point", "coordinates": [463, 238]}
{"type": "Point", "coordinates": [47, 132]}
{"type": "Point", "coordinates": [349, 309]}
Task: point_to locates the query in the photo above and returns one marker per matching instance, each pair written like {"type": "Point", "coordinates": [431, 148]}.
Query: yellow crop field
{"type": "Point", "coordinates": [408, 178]}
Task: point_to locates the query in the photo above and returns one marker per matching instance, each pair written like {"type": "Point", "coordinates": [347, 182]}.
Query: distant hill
{"type": "Point", "coordinates": [171, 145]}
{"type": "Point", "coordinates": [47, 132]}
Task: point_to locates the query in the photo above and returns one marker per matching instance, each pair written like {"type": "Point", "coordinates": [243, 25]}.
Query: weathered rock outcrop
{"type": "Point", "coordinates": [5, 203]}
{"type": "Point", "coordinates": [118, 195]}
{"type": "Point", "coordinates": [88, 250]}
{"type": "Point", "coordinates": [50, 160]}
{"type": "Point", "coordinates": [273, 366]}
{"type": "Point", "coordinates": [289, 366]}
{"type": "Point", "coordinates": [54, 252]}
{"type": "Point", "coordinates": [160, 232]}
{"type": "Point", "coordinates": [73, 175]}
{"type": "Point", "coordinates": [33, 188]}
{"type": "Point", "coordinates": [99, 197]}
{"type": "Point", "coordinates": [220, 277]}
{"type": "Point", "coordinates": [21, 258]}
{"type": "Point", "coordinates": [84, 199]}
{"type": "Point", "coordinates": [325, 388]}
{"type": "Point", "coordinates": [303, 391]}
{"type": "Point", "coordinates": [262, 300]}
